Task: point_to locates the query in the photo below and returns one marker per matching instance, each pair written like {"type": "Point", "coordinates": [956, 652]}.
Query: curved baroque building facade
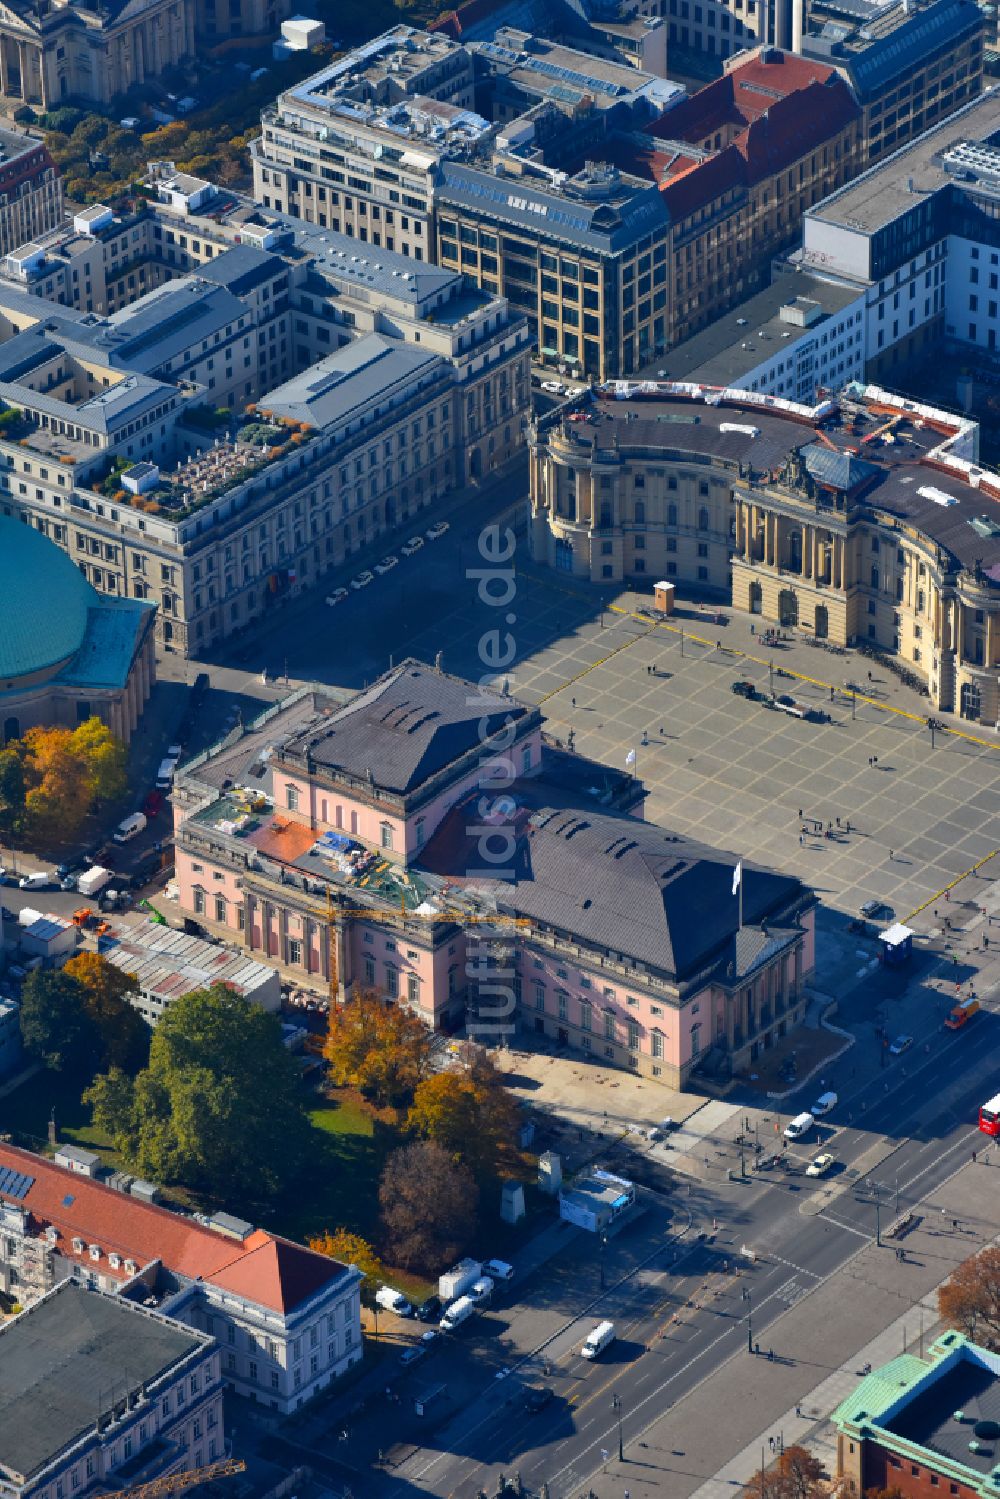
{"type": "Point", "coordinates": [864, 520]}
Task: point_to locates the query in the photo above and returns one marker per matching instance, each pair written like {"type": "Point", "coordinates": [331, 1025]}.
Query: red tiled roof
{"type": "Point", "coordinates": [272, 1272]}
{"type": "Point", "coordinates": [741, 96]}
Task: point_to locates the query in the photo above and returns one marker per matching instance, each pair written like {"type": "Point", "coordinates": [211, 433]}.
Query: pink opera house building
{"type": "Point", "coordinates": [425, 839]}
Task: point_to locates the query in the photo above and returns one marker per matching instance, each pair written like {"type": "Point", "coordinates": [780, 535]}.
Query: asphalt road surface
{"type": "Point", "coordinates": [683, 1315]}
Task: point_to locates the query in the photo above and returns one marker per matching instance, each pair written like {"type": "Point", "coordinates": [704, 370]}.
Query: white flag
{"type": "Point", "coordinates": [630, 758]}
{"type": "Point", "coordinates": [737, 876]}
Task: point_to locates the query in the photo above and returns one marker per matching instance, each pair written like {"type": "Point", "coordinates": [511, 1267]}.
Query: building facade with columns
{"type": "Point", "coordinates": [425, 840]}
{"type": "Point", "coordinates": [51, 54]}
{"type": "Point", "coordinates": [865, 520]}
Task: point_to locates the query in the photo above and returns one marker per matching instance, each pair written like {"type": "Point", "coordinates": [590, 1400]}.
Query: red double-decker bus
{"type": "Point", "coordinates": [989, 1116]}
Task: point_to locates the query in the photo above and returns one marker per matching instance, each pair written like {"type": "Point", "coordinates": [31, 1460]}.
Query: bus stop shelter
{"type": "Point", "coordinates": [897, 944]}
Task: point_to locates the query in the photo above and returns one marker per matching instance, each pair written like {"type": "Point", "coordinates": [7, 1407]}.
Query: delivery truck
{"type": "Point", "coordinates": [457, 1280]}
{"type": "Point", "coordinates": [93, 879]}
{"type": "Point", "coordinates": [962, 1013]}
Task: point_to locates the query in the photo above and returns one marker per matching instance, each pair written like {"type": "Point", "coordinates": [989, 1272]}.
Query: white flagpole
{"type": "Point", "coordinates": [740, 927]}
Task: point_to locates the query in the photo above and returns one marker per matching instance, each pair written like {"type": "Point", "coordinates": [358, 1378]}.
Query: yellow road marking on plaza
{"type": "Point", "coordinates": [956, 881]}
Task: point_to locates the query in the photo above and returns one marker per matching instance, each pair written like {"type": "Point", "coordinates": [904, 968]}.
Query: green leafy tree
{"type": "Point", "coordinates": [11, 790]}
{"type": "Point", "coordinates": [220, 1107]}
{"type": "Point", "coordinates": [55, 1025]}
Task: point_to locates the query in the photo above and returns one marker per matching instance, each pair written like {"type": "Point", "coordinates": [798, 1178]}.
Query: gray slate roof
{"type": "Point", "coordinates": [60, 1360]}
{"type": "Point", "coordinates": [843, 471]}
{"type": "Point", "coordinates": [340, 387]}
{"type": "Point", "coordinates": [413, 723]}
{"type": "Point", "coordinates": [631, 887]}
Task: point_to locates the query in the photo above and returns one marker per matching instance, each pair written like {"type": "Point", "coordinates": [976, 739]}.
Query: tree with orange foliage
{"type": "Point", "coordinates": [107, 993]}
{"type": "Point", "coordinates": [351, 1249]}
{"type": "Point", "coordinates": [470, 1113]}
{"type": "Point", "coordinates": [796, 1475]}
{"type": "Point", "coordinates": [380, 1048]}
{"type": "Point", "coordinates": [970, 1298]}
{"type": "Point", "coordinates": [64, 772]}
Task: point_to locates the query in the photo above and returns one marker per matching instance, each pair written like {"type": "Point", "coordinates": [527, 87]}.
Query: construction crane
{"type": "Point", "coordinates": [173, 1483]}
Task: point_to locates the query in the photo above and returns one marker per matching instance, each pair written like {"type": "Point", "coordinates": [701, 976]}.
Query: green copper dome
{"type": "Point", "coordinates": [44, 602]}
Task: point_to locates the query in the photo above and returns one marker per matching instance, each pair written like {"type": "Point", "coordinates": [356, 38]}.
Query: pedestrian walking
{"type": "Point", "coordinates": [973, 1157]}
{"type": "Point", "coordinates": [798, 1410]}
{"type": "Point", "coordinates": [869, 676]}
{"type": "Point", "coordinates": [573, 701]}
{"type": "Point", "coordinates": [770, 1442]}
{"type": "Point", "coordinates": [891, 856]}
{"type": "Point", "coordinates": [801, 840]}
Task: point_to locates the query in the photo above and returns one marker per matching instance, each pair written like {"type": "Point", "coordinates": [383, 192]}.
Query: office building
{"type": "Point", "coordinates": [97, 1394]}
{"type": "Point", "coordinates": [738, 164]}
{"type": "Point", "coordinates": [288, 1319]}
{"type": "Point", "coordinates": [880, 529]}
{"type": "Point", "coordinates": [909, 65]}
{"type": "Point", "coordinates": [570, 918]}
{"type": "Point", "coordinates": [800, 336]}
{"type": "Point", "coordinates": [923, 1423]}
{"type": "Point", "coordinates": [916, 235]}
{"type": "Point", "coordinates": [84, 656]}
{"type": "Point", "coordinates": [355, 148]}
{"type": "Point", "coordinates": [345, 354]}
{"type": "Point", "coordinates": [31, 190]}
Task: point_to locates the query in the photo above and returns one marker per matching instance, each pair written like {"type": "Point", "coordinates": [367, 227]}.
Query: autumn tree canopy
{"type": "Point", "coordinates": [970, 1298]}
{"type": "Point", "coordinates": [107, 993]}
{"type": "Point", "coordinates": [381, 1049]}
{"type": "Point", "coordinates": [351, 1249]}
{"type": "Point", "coordinates": [796, 1475]}
{"type": "Point", "coordinates": [51, 778]}
{"type": "Point", "coordinates": [428, 1204]}
{"type": "Point", "coordinates": [468, 1112]}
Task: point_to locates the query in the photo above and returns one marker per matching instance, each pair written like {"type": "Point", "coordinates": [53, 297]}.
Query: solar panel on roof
{"type": "Point", "coordinates": [14, 1184]}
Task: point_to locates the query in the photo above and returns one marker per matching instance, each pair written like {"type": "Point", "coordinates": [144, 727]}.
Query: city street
{"type": "Point", "coordinates": [684, 1315]}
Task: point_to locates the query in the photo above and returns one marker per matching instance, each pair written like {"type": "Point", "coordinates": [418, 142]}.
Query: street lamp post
{"type": "Point", "coordinates": [604, 1245]}
{"type": "Point", "coordinates": [749, 1306]}
{"type": "Point", "coordinates": [618, 1408]}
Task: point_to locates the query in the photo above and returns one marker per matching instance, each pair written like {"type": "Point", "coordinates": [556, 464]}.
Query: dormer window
{"type": "Point", "coordinates": [51, 1234]}
{"type": "Point", "coordinates": [131, 1266]}
{"type": "Point", "coordinates": [95, 1251]}
{"type": "Point", "coordinates": [114, 1260]}
{"type": "Point", "coordinates": [77, 1246]}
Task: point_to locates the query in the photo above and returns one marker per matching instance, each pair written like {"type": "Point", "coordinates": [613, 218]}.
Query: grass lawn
{"type": "Point", "coordinates": [25, 1114]}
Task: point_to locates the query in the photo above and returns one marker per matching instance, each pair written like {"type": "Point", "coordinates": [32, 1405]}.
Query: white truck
{"type": "Point", "coordinates": [459, 1311]}
{"type": "Point", "coordinates": [602, 1337]}
{"type": "Point", "coordinates": [457, 1280]}
{"type": "Point", "coordinates": [93, 879]}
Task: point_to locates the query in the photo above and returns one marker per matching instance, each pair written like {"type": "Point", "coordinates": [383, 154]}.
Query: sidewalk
{"type": "Point", "coordinates": [710, 1443]}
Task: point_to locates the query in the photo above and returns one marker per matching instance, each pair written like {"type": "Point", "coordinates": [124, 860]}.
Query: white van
{"type": "Point", "coordinates": [481, 1291]}
{"type": "Point", "coordinates": [165, 774]}
{"type": "Point", "coordinates": [602, 1337]}
{"type": "Point", "coordinates": [799, 1127]}
{"type": "Point", "coordinates": [824, 1103]}
{"type": "Point", "coordinates": [36, 881]}
{"type": "Point", "coordinates": [130, 827]}
{"type": "Point", "coordinates": [459, 1311]}
{"type": "Point", "coordinates": [498, 1270]}
{"type": "Point", "coordinates": [393, 1301]}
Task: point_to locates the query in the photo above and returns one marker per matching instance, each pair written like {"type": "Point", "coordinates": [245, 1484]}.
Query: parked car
{"type": "Point", "coordinates": [153, 804]}
{"type": "Point", "coordinates": [387, 564]}
{"type": "Point", "coordinates": [438, 529]}
{"type": "Point", "coordinates": [413, 545]}
{"type": "Point", "coordinates": [362, 580]}
{"type": "Point", "coordinates": [537, 1397]}
{"type": "Point", "coordinates": [901, 1044]}
{"type": "Point", "coordinates": [337, 597]}
{"type": "Point", "coordinates": [410, 1355]}
{"type": "Point", "coordinates": [553, 387]}
{"type": "Point", "coordinates": [874, 910]}
{"type": "Point", "coordinates": [743, 688]}
{"type": "Point", "coordinates": [429, 1310]}
{"type": "Point", "coordinates": [824, 1103]}
{"type": "Point", "coordinates": [820, 1164]}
